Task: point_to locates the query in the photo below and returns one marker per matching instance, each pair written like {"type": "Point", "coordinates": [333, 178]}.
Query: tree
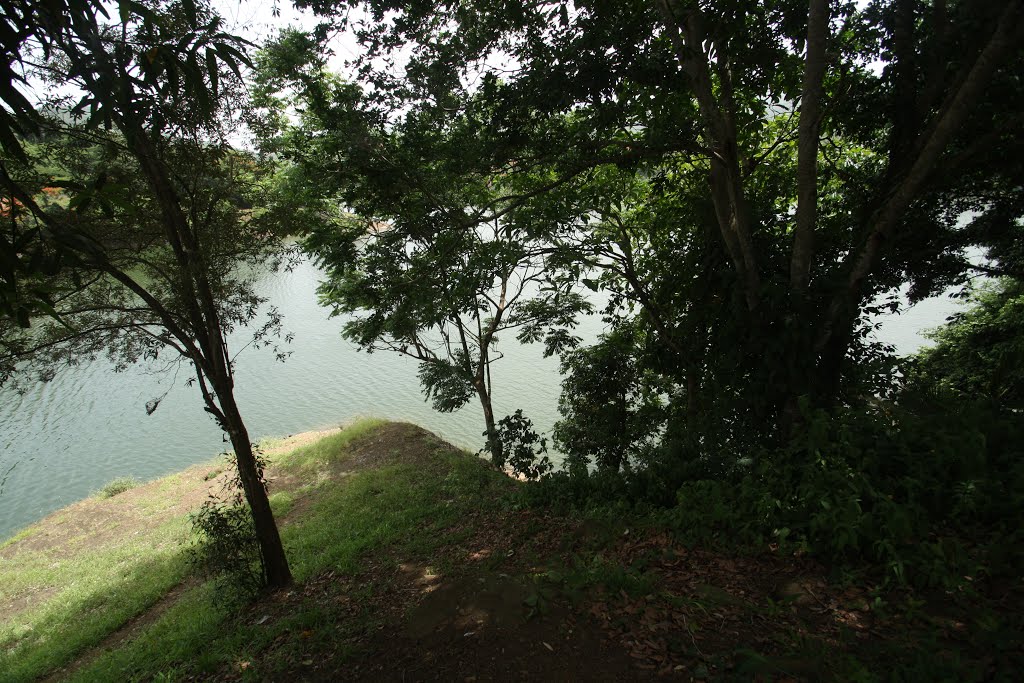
{"type": "Point", "coordinates": [445, 298]}
{"type": "Point", "coordinates": [749, 178]}
{"type": "Point", "coordinates": [438, 274]}
{"type": "Point", "coordinates": [149, 252]}
{"type": "Point", "coordinates": [611, 404]}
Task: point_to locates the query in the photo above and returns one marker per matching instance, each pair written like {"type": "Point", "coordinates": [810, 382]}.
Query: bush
{"type": "Point", "coordinates": [523, 449]}
{"type": "Point", "coordinates": [226, 549]}
{"type": "Point", "coordinates": [119, 485]}
{"type": "Point", "coordinates": [929, 490]}
{"type": "Point", "coordinates": [612, 407]}
{"type": "Point", "coordinates": [931, 496]}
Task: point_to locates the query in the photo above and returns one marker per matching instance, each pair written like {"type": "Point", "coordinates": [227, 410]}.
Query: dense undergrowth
{"type": "Point", "coordinates": [929, 495]}
{"type": "Point", "coordinates": [916, 477]}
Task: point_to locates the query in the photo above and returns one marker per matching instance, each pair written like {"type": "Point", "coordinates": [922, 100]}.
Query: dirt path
{"type": "Point", "coordinates": [127, 631]}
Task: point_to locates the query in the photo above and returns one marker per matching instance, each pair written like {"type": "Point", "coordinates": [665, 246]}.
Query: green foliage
{"type": "Point", "coordinates": [181, 63]}
{"type": "Point", "coordinates": [930, 494]}
{"type": "Point", "coordinates": [154, 244]}
{"type": "Point", "coordinates": [741, 224]}
{"type": "Point", "coordinates": [980, 352]}
{"type": "Point", "coordinates": [441, 284]}
{"type": "Point", "coordinates": [924, 485]}
{"type": "Point", "coordinates": [226, 549]}
{"type": "Point", "coordinates": [612, 407]}
{"type": "Point", "coordinates": [675, 180]}
{"type": "Point", "coordinates": [119, 485]}
{"type": "Point", "coordinates": [523, 449]}
{"type": "Point", "coordinates": [448, 383]}
{"type": "Point", "coordinates": [99, 314]}
{"type": "Point", "coordinates": [584, 575]}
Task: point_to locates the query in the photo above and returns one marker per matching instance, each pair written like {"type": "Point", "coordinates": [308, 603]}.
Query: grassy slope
{"type": "Point", "coordinates": [390, 532]}
{"type": "Point", "coordinates": [98, 590]}
{"type": "Point", "coordinates": [64, 595]}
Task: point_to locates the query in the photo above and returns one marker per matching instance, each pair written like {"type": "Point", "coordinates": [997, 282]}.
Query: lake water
{"type": "Point", "coordinates": [63, 440]}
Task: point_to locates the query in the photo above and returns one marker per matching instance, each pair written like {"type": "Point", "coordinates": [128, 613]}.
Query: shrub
{"type": "Point", "coordinates": [119, 485]}
{"type": "Point", "coordinates": [930, 496]}
{"type": "Point", "coordinates": [929, 490]}
{"type": "Point", "coordinates": [226, 549]}
{"type": "Point", "coordinates": [524, 450]}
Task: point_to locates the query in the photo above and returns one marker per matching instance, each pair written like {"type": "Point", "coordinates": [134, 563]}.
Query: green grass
{"type": "Point", "coordinates": [119, 485]}
{"type": "Point", "coordinates": [20, 536]}
{"type": "Point", "coordinates": [96, 590]}
{"type": "Point", "coordinates": [93, 591]}
{"type": "Point", "coordinates": [403, 506]}
{"type": "Point", "coordinates": [358, 527]}
{"type": "Point", "coordinates": [326, 451]}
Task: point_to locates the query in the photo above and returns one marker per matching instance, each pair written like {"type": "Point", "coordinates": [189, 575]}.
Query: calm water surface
{"type": "Point", "coordinates": [63, 440]}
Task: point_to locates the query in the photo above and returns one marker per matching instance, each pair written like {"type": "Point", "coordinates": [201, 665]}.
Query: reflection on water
{"type": "Point", "coordinates": [65, 439]}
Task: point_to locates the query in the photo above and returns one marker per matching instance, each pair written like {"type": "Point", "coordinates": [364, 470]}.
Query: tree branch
{"type": "Point", "coordinates": [807, 146]}
{"type": "Point", "coordinates": [1005, 37]}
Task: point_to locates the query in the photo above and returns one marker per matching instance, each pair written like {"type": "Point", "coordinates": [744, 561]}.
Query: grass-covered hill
{"type": "Point", "coordinates": [415, 561]}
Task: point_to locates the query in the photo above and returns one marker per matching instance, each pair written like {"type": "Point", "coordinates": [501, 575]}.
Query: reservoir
{"type": "Point", "coordinates": [65, 439]}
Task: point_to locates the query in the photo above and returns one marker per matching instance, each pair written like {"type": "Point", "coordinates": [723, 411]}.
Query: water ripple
{"type": "Point", "coordinates": [67, 438]}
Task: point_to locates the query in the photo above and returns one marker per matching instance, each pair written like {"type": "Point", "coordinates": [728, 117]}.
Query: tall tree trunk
{"type": "Point", "coordinates": [725, 179]}
{"type": "Point", "coordinates": [807, 146]}
{"type": "Point", "coordinates": [799, 356]}
{"type": "Point", "coordinates": [833, 340]}
{"type": "Point", "coordinates": [271, 550]}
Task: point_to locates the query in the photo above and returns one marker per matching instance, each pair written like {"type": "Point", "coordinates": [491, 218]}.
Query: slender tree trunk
{"type": "Point", "coordinates": [493, 444]}
{"type": "Point", "coordinates": [206, 328]}
{"type": "Point", "coordinates": [208, 352]}
{"type": "Point", "coordinates": [271, 550]}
